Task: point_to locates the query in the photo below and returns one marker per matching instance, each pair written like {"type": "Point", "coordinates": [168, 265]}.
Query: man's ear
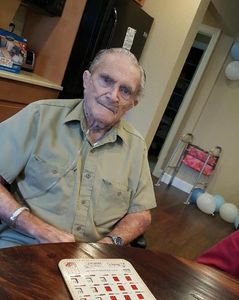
{"type": "Point", "coordinates": [86, 78]}
{"type": "Point", "coordinates": [136, 101]}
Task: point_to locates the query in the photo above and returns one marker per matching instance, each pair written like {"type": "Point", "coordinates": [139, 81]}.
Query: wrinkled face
{"type": "Point", "coordinates": [111, 90]}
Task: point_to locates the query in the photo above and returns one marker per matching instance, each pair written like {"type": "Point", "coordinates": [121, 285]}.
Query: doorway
{"type": "Point", "coordinates": [182, 94]}
{"type": "Point", "coordinates": [176, 99]}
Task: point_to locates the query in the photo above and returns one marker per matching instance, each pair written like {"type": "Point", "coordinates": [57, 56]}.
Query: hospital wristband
{"type": "Point", "coordinates": [13, 218]}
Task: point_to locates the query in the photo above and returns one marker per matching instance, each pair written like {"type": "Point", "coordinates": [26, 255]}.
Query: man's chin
{"type": "Point", "coordinates": [107, 120]}
{"type": "Point", "coordinates": [107, 113]}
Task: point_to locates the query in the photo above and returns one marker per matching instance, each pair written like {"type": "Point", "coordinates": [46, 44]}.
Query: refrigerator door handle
{"type": "Point", "coordinates": [115, 22]}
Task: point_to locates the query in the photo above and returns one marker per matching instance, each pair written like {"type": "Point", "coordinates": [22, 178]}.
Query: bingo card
{"type": "Point", "coordinates": [103, 279]}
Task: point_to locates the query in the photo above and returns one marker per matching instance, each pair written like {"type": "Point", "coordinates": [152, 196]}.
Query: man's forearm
{"type": "Point", "coordinates": [8, 203]}
{"type": "Point", "coordinates": [27, 222]}
{"type": "Point", "coordinates": [130, 227]}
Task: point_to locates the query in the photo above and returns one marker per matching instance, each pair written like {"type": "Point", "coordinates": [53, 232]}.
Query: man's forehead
{"type": "Point", "coordinates": [115, 56]}
{"type": "Point", "coordinates": [115, 59]}
{"type": "Point", "coordinates": [117, 62]}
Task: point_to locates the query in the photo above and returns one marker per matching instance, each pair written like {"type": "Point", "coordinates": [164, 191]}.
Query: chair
{"type": "Point", "coordinates": [139, 242]}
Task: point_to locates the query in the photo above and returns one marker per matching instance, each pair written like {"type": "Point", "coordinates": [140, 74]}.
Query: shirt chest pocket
{"type": "Point", "coordinates": [41, 176]}
{"type": "Point", "coordinates": [111, 203]}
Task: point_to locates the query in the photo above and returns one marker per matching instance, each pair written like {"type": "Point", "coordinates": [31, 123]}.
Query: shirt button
{"type": "Point", "coordinates": [54, 171]}
{"type": "Point", "coordinates": [88, 176]}
{"type": "Point", "coordinates": [119, 194]}
{"type": "Point", "coordinates": [83, 201]}
{"type": "Point", "coordinates": [78, 227]}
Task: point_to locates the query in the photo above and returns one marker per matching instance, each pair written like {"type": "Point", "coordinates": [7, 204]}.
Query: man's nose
{"type": "Point", "coordinates": [115, 94]}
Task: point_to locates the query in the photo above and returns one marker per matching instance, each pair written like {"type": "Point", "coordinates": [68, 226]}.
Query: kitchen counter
{"type": "Point", "coordinates": [30, 78]}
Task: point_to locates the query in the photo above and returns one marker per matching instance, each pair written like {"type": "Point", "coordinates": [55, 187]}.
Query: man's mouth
{"type": "Point", "coordinates": [112, 108]}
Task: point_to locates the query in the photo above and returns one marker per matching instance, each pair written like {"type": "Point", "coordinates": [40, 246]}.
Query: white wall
{"type": "Point", "coordinates": [226, 13]}
{"type": "Point", "coordinates": [175, 26]}
{"type": "Point", "coordinates": [217, 99]}
{"type": "Point", "coordinates": [219, 125]}
{"type": "Point", "coordinates": [7, 12]}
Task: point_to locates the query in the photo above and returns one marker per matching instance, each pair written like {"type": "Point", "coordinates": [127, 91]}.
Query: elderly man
{"type": "Point", "coordinates": [77, 171]}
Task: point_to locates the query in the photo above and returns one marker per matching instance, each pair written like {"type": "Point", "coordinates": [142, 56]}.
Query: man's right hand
{"type": "Point", "coordinates": [50, 234]}
{"type": "Point", "coordinates": [28, 223]}
{"type": "Point", "coordinates": [42, 231]}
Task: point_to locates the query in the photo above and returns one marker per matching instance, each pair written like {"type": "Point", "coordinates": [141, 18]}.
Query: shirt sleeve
{"type": "Point", "coordinates": [17, 138]}
{"type": "Point", "coordinates": [144, 198]}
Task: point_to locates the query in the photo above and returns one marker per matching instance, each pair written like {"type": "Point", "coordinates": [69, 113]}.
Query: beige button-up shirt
{"type": "Point", "coordinates": [78, 187]}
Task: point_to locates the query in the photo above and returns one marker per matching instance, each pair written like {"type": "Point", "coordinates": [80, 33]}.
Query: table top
{"type": "Point", "coordinates": [31, 272]}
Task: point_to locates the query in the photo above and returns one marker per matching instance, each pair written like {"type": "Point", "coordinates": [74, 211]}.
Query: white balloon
{"type": "Point", "coordinates": [232, 70]}
{"type": "Point", "coordinates": [228, 212]}
{"type": "Point", "coordinates": [206, 203]}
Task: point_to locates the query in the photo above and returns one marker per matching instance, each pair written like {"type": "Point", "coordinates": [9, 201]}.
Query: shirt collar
{"type": "Point", "coordinates": [77, 114]}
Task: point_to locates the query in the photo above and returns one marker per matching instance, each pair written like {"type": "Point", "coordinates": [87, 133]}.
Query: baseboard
{"type": "Point", "coordinates": [178, 183]}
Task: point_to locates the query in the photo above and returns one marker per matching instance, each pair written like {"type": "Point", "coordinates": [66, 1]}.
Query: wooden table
{"type": "Point", "coordinates": [31, 272]}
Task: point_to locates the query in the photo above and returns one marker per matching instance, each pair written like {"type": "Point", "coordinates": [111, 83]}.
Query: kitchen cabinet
{"type": "Point", "coordinates": [16, 91]}
{"type": "Point", "coordinates": [51, 38]}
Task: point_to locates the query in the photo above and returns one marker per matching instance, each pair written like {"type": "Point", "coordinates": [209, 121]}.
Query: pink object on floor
{"type": "Point", "coordinates": [196, 157]}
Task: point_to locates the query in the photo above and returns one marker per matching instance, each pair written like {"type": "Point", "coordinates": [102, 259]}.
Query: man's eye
{"type": "Point", "coordinates": [106, 80]}
{"type": "Point", "coordinates": [125, 91]}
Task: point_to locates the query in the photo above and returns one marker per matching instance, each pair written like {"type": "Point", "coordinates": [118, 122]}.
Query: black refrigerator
{"type": "Point", "coordinates": [104, 24]}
